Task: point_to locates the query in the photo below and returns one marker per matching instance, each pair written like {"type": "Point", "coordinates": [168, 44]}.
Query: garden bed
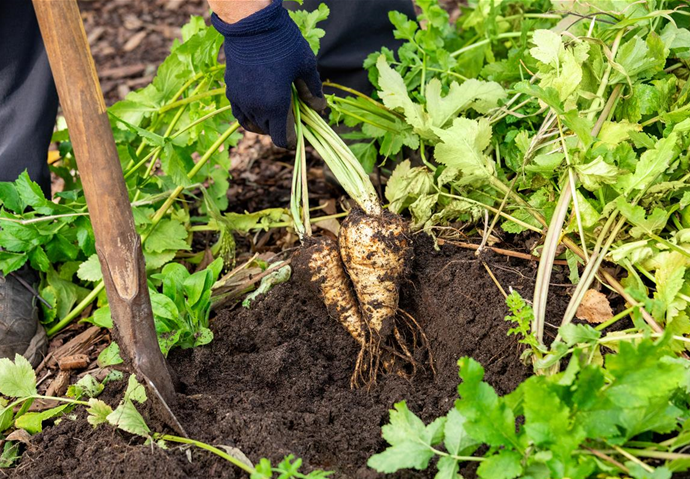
{"type": "Point", "coordinates": [276, 380]}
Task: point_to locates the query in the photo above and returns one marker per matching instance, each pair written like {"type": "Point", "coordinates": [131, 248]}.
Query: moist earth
{"type": "Point", "coordinates": [276, 379]}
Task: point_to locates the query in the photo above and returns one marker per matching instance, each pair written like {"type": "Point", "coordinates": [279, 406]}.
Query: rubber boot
{"type": "Point", "coordinates": [20, 330]}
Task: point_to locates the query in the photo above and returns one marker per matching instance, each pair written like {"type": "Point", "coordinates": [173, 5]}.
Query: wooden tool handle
{"type": "Point", "coordinates": [117, 242]}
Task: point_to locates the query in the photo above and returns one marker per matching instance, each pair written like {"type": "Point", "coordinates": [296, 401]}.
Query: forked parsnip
{"type": "Point", "coordinates": [319, 257]}
{"type": "Point", "coordinates": [375, 249]}
{"type": "Point", "coordinates": [374, 244]}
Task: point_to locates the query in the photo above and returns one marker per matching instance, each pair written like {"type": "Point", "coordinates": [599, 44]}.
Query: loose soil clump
{"type": "Point", "coordinates": [276, 379]}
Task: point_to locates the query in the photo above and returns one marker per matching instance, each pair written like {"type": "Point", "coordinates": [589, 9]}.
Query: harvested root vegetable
{"type": "Point", "coordinates": [321, 259]}
{"type": "Point", "coordinates": [375, 250]}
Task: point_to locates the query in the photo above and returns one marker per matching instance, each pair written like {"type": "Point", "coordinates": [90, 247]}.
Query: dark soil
{"type": "Point", "coordinates": [276, 379]}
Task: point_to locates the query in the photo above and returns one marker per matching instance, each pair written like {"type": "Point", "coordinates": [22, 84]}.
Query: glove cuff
{"type": "Point", "coordinates": [265, 36]}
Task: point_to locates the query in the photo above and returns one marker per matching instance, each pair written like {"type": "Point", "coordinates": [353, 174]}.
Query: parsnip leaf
{"type": "Point", "coordinates": [17, 379]}
{"type": "Point", "coordinates": [462, 146]}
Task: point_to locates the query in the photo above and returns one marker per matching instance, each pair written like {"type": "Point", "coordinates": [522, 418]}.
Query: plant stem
{"type": "Point", "coordinates": [200, 164]}
{"type": "Point", "coordinates": [76, 311]}
{"type": "Point", "coordinates": [605, 457]}
{"type": "Point", "coordinates": [658, 117]}
{"type": "Point", "coordinates": [377, 104]}
{"type": "Point", "coordinates": [541, 287]}
{"type": "Point", "coordinates": [59, 399]}
{"type": "Point", "coordinates": [481, 43]}
{"type": "Point", "coordinates": [616, 318]}
{"type": "Point", "coordinates": [345, 166]}
{"type": "Point", "coordinates": [299, 191]}
{"type": "Point", "coordinates": [613, 338]}
{"type": "Point", "coordinates": [669, 456]}
{"type": "Point", "coordinates": [42, 218]}
{"type": "Point", "coordinates": [193, 98]}
{"type": "Point", "coordinates": [632, 458]}
{"type": "Point", "coordinates": [245, 467]}
{"type": "Point", "coordinates": [157, 151]}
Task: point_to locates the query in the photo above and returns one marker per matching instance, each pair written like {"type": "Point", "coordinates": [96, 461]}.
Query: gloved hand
{"type": "Point", "coordinates": [265, 54]}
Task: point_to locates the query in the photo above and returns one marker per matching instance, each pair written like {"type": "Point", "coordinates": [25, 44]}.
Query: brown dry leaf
{"type": "Point", "coordinates": [20, 435]}
{"type": "Point", "coordinates": [594, 308]}
{"type": "Point", "coordinates": [331, 225]}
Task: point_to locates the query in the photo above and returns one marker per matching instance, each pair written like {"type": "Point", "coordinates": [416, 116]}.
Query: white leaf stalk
{"type": "Point", "coordinates": [342, 162]}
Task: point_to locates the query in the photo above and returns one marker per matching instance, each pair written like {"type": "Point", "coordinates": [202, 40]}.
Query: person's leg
{"type": "Point", "coordinates": [355, 29]}
{"type": "Point", "coordinates": [28, 106]}
{"type": "Point", "coordinates": [28, 99]}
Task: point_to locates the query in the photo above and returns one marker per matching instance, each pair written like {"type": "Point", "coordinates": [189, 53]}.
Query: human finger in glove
{"type": "Point", "coordinates": [265, 54]}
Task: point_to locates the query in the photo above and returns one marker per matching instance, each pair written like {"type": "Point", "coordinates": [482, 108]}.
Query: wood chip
{"type": "Point", "coordinates": [123, 71]}
{"type": "Point", "coordinates": [173, 4]}
{"type": "Point", "coordinates": [134, 41]}
{"type": "Point", "coordinates": [76, 361]}
{"type": "Point", "coordinates": [132, 22]}
{"type": "Point", "coordinates": [79, 344]}
{"type": "Point", "coordinates": [59, 385]}
{"type": "Point", "coordinates": [594, 308]}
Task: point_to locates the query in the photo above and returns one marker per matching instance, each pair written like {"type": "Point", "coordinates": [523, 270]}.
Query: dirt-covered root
{"type": "Point", "coordinates": [319, 260]}
{"type": "Point", "coordinates": [404, 352]}
{"type": "Point", "coordinates": [375, 251]}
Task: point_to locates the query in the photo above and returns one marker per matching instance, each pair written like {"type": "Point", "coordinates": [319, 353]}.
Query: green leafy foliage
{"type": "Point", "coordinates": [182, 310]}
{"type": "Point", "coordinates": [549, 426]}
{"type": "Point", "coordinates": [17, 379]}
{"type": "Point", "coordinates": [288, 468]}
{"type": "Point", "coordinates": [110, 356]}
{"type": "Point", "coordinates": [167, 135]}
{"type": "Point", "coordinates": [10, 454]}
{"type": "Point", "coordinates": [521, 316]}
{"type": "Point", "coordinates": [306, 21]}
{"type": "Point", "coordinates": [125, 416]}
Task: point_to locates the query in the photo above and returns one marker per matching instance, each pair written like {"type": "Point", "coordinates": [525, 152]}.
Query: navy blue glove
{"type": "Point", "coordinates": [266, 53]}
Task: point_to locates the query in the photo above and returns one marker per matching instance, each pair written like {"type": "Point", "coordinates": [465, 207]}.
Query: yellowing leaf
{"type": "Point", "coordinates": [98, 412]}
{"type": "Point", "coordinates": [127, 418]}
{"type": "Point", "coordinates": [394, 94]}
{"type": "Point", "coordinates": [135, 391]}
{"type": "Point", "coordinates": [406, 184]}
{"type": "Point", "coordinates": [548, 47]}
{"type": "Point", "coordinates": [596, 173]}
{"type": "Point", "coordinates": [462, 146]}
{"type": "Point", "coordinates": [614, 132]}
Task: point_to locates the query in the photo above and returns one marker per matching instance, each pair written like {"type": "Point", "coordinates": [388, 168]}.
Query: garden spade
{"type": "Point", "coordinates": [117, 242]}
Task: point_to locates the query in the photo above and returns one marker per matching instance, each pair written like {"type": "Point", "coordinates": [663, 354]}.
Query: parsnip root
{"type": "Point", "coordinates": [320, 259]}
{"type": "Point", "coordinates": [375, 251]}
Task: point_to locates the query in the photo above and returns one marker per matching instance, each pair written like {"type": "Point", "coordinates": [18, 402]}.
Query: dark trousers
{"type": "Point", "coordinates": [354, 29]}
{"type": "Point", "coordinates": [28, 99]}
